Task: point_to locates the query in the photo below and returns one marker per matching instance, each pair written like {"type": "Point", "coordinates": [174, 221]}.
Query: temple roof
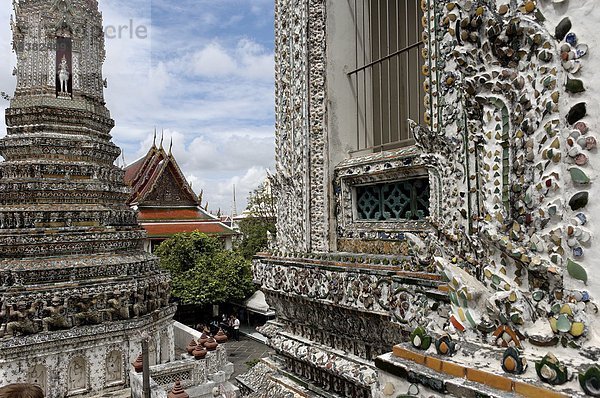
{"type": "Point", "coordinates": [156, 179]}
{"type": "Point", "coordinates": [166, 202]}
{"type": "Point", "coordinates": [165, 230]}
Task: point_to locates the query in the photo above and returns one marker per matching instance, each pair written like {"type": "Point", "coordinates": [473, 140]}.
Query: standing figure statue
{"type": "Point", "coordinates": [63, 75]}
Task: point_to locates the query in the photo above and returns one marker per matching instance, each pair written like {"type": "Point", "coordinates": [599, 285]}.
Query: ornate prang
{"type": "Point", "coordinates": [72, 266]}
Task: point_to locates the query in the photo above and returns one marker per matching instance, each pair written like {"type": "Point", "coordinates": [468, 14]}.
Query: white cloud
{"type": "Point", "coordinates": [222, 190]}
{"type": "Point", "coordinates": [203, 74]}
{"type": "Point", "coordinates": [212, 61]}
{"type": "Point", "coordinates": [248, 60]}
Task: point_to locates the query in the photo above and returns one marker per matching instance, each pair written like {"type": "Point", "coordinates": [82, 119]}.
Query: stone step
{"type": "Point", "coordinates": [266, 376]}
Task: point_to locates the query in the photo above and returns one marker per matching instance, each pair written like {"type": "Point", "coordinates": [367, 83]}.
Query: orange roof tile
{"type": "Point", "coordinates": [155, 230]}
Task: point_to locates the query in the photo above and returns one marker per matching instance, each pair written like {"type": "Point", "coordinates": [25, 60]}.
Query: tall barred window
{"type": "Point", "coordinates": [387, 81]}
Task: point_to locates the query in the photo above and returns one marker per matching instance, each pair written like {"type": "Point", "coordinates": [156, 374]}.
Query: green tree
{"type": "Point", "coordinates": [260, 221]}
{"type": "Point", "coordinates": [254, 236]}
{"type": "Point", "coordinates": [203, 272]}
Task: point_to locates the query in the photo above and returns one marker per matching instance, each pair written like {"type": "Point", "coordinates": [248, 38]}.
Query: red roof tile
{"type": "Point", "coordinates": [172, 214]}
{"type": "Point", "coordinates": [132, 170]}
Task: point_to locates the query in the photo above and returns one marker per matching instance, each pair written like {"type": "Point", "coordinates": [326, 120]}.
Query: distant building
{"type": "Point", "coordinates": [166, 203]}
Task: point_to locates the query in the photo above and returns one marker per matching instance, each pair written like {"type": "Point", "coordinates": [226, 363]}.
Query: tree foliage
{"type": "Point", "coordinates": [203, 272]}
{"type": "Point", "coordinates": [260, 221]}
{"type": "Point", "coordinates": [261, 203]}
{"type": "Point", "coordinates": [254, 236]}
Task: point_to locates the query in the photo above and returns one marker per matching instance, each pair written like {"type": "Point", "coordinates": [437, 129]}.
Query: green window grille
{"type": "Point", "coordinates": [400, 200]}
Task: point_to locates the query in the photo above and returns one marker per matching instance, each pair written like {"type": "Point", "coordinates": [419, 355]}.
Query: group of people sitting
{"type": "Point", "coordinates": [21, 390]}
{"type": "Point", "coordinates": [230, 325]}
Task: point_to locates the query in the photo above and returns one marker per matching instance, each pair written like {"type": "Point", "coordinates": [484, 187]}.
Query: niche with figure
{"type": "Point", "coordinates": [64, 67]}
{"type": "Point", "coordinates": [38, 375]}
{"type": "Point", "coordinates": [114, 367]}
{"type": "Point", "coordinates": [78, 374]}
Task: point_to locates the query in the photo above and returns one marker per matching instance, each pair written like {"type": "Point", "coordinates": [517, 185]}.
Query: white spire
{"type": "Point", "coordinates": [234, 210]}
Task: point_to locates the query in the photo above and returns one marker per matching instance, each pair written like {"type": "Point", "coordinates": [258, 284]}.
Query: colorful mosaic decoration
{"type": "Point", "coordinates": [506, 227]}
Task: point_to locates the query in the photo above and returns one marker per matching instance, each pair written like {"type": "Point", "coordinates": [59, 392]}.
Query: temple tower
{"type": "Point", "coordinates": [77, 288]}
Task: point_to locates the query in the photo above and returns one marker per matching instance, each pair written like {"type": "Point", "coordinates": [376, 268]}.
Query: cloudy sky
{"type": "Point", "coordinates": [203, 74]}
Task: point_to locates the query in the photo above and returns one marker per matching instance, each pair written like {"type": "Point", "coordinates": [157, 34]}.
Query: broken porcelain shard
{"type": "Point", "coordinates": [563, 27]}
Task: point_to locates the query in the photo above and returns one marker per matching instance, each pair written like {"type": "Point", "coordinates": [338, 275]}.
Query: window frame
{"type": "Point", "coordinates": [401, 164]}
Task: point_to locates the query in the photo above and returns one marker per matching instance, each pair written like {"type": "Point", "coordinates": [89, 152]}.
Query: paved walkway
{"type": "Point", "coordinates": [243, 351]}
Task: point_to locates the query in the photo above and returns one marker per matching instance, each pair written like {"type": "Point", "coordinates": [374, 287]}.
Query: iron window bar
{"type": "Point", "coordinates": [401, 51]}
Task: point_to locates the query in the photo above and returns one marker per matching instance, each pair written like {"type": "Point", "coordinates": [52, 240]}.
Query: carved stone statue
{"type": "Point", "coordinates": [86, 313]}
{"type": "Point", "coordinates": [63, 75]}
{"type": "Point", "coordinates": [140, 307]}
{"type": "Point", "coordinates": [56, 316]}
{"type": "Point", "coordinates": [20, 321]}
{"type": "Point", "coordinates": [164, 290]}
{"type": "Point", "coordinates": [117, 308]}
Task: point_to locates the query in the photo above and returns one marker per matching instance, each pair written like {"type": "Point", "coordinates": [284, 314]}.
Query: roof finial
{"type": "Point", "coordinates": [154, 139]}
{"type": "Point", "coordinates": [171, 146]}
{"type": "Point", "coordinates": [162, 137]}
{"type": "Point", "coordinates": [123, 159]}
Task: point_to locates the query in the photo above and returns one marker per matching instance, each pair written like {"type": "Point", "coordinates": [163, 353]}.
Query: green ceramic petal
{"type": "Point", "coordinates": [579, 200]}
{"type": "Point", "coordinates": [496, 279]}
{"type": "Point", "coordinates": [470, 318]}
{"type": "Point", "coordinates": [426, 342]}
{"type": "Point", "coordinates": [576, 271]}
{"type": "Point", "coordinates": [578, 176]}
{"type": "Point", "coordinates": [563, 324]}
{"type": "Point", "coordinates": [590, 381]}
{"type": "Point", "coordinates": [453, 298]}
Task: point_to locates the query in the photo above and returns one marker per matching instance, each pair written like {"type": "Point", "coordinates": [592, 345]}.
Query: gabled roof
{"type": "Point", "coordinates": [156, 179]}
{"type": "Point", "coordinates": [164, 199]}
{"type": "Point", "coordinates": [132, 171]}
